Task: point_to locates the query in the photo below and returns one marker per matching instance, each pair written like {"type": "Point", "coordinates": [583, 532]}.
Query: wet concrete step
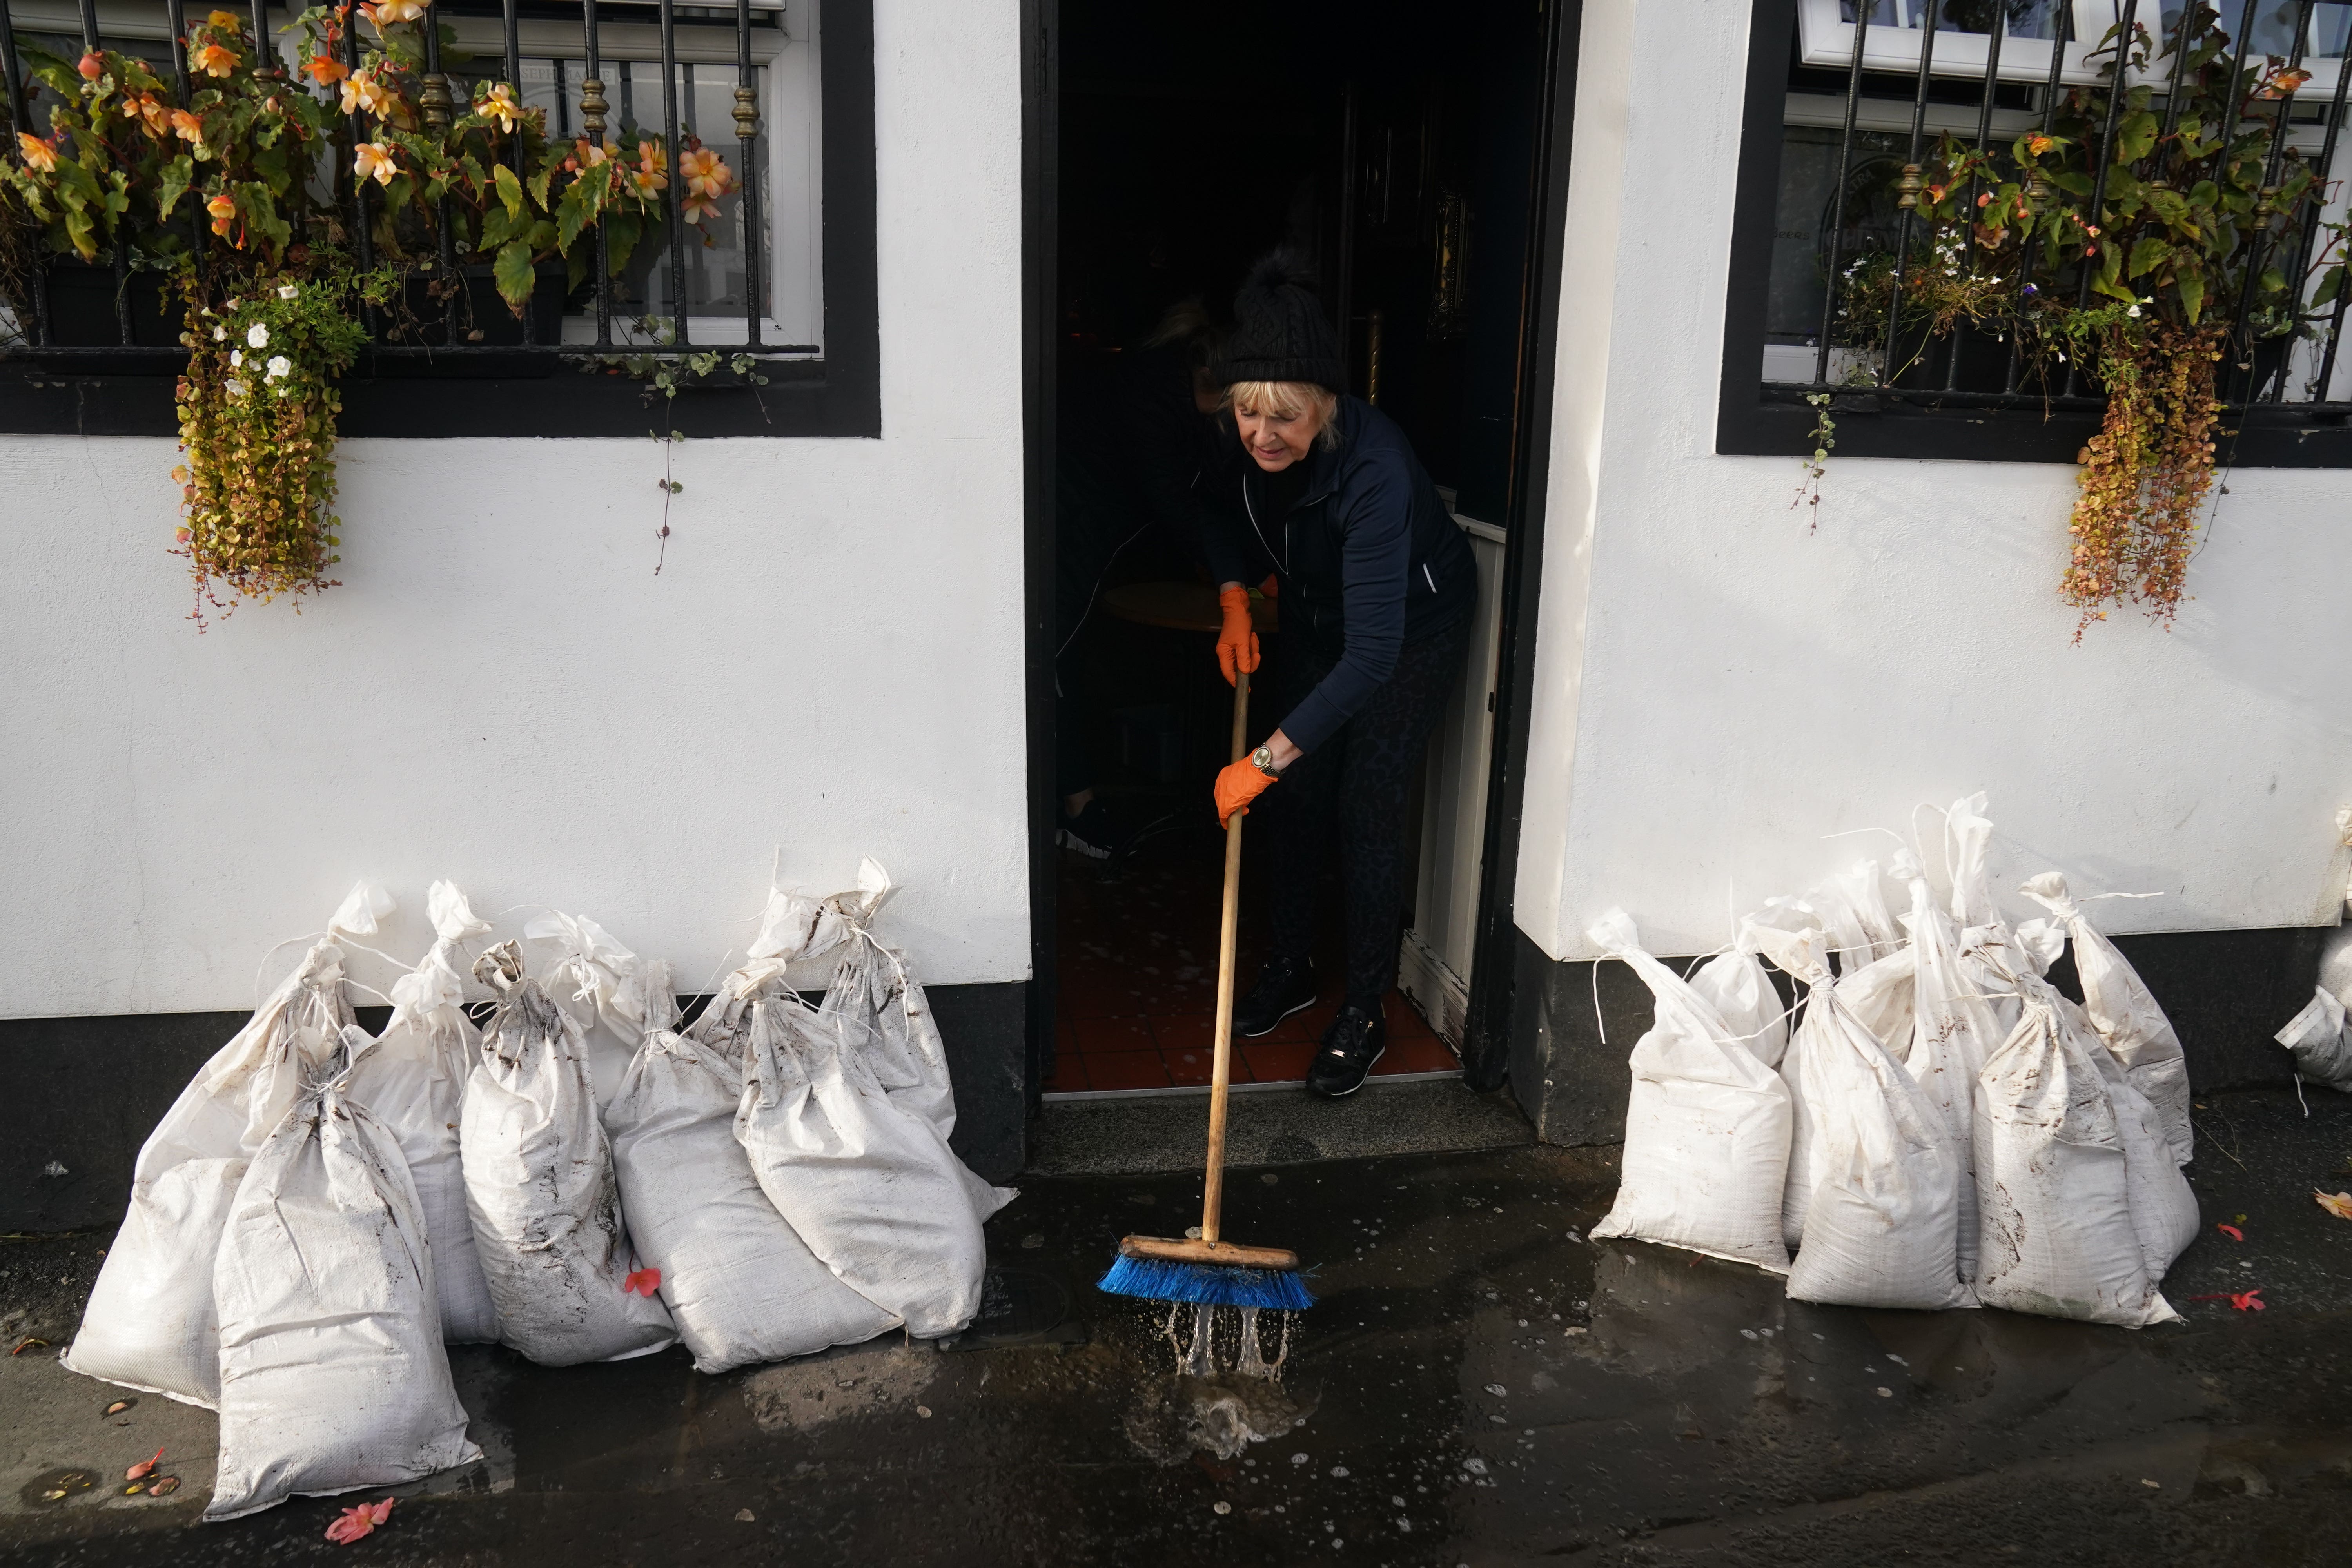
{"type": "Point", "coordinates": [1169, 1131]}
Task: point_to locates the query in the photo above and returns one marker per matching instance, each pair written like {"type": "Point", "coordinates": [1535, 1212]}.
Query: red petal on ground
{"type": "Point", "coordinates": [644, 1282]}
{"type": "Point", "coordinates": [2232, 1231]}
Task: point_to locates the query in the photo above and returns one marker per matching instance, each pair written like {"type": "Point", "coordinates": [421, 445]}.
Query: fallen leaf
{"type": "Point", "coordinates": [134, 1489]}
{"type": "Point", "coordinates": [29, 1345]}
{"type": "Point", "coordinates": [2232, 1231]}
{"type": "Point", "coordinates": [165, 1486]}
{"type": "Point", "coordinates": [742, 1516]}
{"type": "Point", "coordinates": [644, 1282]}
{"type": "Point", "coordinates": [2337, 1204]}
{"type": "Point", "coordinates": [120, 1406]}
{"type": "Point", "coordinates": [355, 1523]}
{"type": "Point", "coordinates": [144, 1468]}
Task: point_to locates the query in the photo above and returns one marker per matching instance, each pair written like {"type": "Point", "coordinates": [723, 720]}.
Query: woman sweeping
{"type": "Point", "coordinates": [1376, 587]}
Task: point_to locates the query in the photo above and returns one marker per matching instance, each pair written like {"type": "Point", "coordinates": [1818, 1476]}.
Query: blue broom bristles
{"type": "Point", "coordinates": [1205, 1284]}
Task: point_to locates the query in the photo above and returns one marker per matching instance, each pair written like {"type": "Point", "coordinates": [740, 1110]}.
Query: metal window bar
{"type": "Point", "coordinates": [2257, 384]}
{"type": "Point", "coordinates": [352, 199]}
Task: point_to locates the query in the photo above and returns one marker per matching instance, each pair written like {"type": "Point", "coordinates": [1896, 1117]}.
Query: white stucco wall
{"type": "Point", "coordinates": [503, 694]}
{"type": "Point", "coordinates": [1719, 683]}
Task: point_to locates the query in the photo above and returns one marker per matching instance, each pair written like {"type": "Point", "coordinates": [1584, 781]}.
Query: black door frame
{"type": "Point", "coordinates": [1487, 1042]}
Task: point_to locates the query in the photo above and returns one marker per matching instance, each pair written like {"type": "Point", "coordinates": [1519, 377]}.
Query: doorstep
{"type": "Point", "coordinates": [1141, 1131]}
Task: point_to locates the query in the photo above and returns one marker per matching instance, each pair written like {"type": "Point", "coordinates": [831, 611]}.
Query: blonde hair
{"type": "Point", "coordinates": [1288, 400]}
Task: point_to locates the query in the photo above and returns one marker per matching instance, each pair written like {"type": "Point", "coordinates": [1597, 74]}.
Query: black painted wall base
{"type": "Point", "coordinates": [2226, 991]}
{"type": "Point", "coordinates": [84, 1093]}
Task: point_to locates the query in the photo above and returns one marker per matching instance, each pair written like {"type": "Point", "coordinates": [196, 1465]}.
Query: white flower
{"type": "Point", "coordinates": [220, 334]}
{"type": "Point", "coordinates": [287, 291]}
{"type": "Point", "coordinates": [258, 338]}
{"type": "Point", "coordinates": [2133, 313]}
{"type": "Point", "coordinates": [236, 387]}
{"type": "Point", "coordinates": [236, 356]}
{"type": "Point", "coordinates": [279, 365]}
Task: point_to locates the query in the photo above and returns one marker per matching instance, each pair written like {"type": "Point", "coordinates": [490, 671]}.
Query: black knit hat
{"type": "Point", "coordinates": [1280, 333]}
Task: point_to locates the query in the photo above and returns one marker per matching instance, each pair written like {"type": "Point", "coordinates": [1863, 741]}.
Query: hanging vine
{"type": "Point", "coordinates": [2198, 213]}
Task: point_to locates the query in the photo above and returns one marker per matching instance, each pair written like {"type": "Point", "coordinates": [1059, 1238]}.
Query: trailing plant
{"type": "Point", "coordinates": [257, 410]}
{"type": "Point", "coordinates": [2196, 218]}
{"type": "Point", "coordinates": [236, 196]}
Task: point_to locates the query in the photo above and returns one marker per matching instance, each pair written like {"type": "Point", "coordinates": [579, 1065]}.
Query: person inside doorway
{"type": "Point", "coordinates": [1377, 589]}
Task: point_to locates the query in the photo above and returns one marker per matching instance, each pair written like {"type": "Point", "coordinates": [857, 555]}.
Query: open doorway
{"type": "Point", "coordinates": [1398, 151]}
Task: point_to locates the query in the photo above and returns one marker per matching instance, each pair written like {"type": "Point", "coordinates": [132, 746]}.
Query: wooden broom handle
{"type": "Point", "coordinates": [1212, 1199]}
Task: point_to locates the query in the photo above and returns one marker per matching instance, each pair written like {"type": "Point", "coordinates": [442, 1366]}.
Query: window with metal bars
{"type": "Point", "coordinates": [778, 268]}
{"type": "Point", "coordinates": [1850, 107]}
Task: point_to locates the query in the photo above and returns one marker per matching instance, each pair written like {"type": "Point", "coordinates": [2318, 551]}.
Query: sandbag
{"type": "Point", "coordinates": [548, 1226]}
{"type": "Point", "coordinates": [1866, 895]}
{"type": "Point", "coordinates": [740, 1283]}
{"type": "Point", "coordinates": [332, 1376]}
{"type": "Point", "coordinates": [2054, 1183]}
{"type": "Point", "coordinates": [1883, 995]}
{"type": "Point", "coordinates": [2320, 1042]}
{"type": "Point", "coordinates": [1991, 958]}
{"type": "Point", "coordinates": [868, 1183]}
{"type": "Point", "coordinates": [1735, 984]}
{"type": "Point", "coordinates": [1953, 1034]}
{"type": "Point", "coordinates": [2125, 1015]}
{"type": "Point", "coordinates": [149, 1322]}
{"type": "Point", "coordinates": [602, 986]}
{"type": "Point", "coordinates": [1707, 1125]}
{"type": "Point", "coordinates": [2163, 1206]}
{"type": "Point", "coordinates": [413, 1081]}
{"type": "Point", "coordinates": [1880, 1226]}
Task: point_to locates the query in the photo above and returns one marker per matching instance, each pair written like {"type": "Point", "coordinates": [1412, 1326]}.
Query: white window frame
{"type": "Point", "coordinates": [1824, 38]}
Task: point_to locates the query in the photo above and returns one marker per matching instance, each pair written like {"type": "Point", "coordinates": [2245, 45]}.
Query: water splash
{"type": "Point", "coordinates": [1227, 1339]}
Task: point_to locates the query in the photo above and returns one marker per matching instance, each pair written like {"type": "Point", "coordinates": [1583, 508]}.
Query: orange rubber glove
{"type": "Point", "coordinates": [1236, 642]}
{"type": "Point", "coordinates": [1237, 785]}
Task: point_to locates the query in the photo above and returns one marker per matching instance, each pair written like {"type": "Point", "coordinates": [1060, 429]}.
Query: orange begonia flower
{"type": "Point", "coordinates": [224, 212]}
{"type": "Point", "coordinates": [326, 71]}
{"type": "Point", "coordinates": [39, 154]}
{"type": "Point", "coordinates": [497, 103]}
{"type": "Point", "coordinates": [214, 60]}
{"type": "Point", "coordinates": [373, 160]}
{"type": "Point", "coordinates": [361, 92]}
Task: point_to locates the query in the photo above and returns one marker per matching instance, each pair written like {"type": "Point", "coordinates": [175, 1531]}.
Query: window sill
{"type": "Point", "coordinates": [503, 393]}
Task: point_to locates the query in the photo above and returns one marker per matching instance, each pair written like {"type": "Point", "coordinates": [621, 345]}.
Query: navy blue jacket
{"type": "Point", "coordinates": [1368, 560]}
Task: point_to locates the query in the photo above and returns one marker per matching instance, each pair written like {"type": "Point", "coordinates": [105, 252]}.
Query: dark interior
{"type": "Point", "coordinates": [1392, 147]}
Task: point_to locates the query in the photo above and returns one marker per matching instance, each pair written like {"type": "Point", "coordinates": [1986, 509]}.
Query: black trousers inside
{"type": "Point", "coordinates": [1356, 787]}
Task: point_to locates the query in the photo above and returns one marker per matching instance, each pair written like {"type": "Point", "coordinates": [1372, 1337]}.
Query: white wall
{"type": "Point", "coordinates": [503, 694]}
{"type": "Point", "coordinates": [1719, 683]}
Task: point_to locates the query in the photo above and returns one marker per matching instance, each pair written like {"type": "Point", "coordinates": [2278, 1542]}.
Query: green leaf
{"type": "Point", "coordinates": [2108, 280]}
{"type": "Point", "coordinates": [2134, 136]}
{"type": "Point", "coordinates": [2075, 185]}
{"type": "Point", "coordinates": [498, 228]}
{"type": "Point", "coordinates": [2331, 284]}
{"type": "Point", "coordinates": [620, 233]}
{"type": "Point", "coordinates": [2146, 254]}
{"type": "Point", "coordinates": [509, 190]}
{"type": "Point", "coordinates": [512, 271]}
{"type": "Point", "coordinates": [2192, 293]}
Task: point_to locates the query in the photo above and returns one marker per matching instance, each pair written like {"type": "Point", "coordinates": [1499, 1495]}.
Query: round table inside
{"type": "Point", "coordinates": [1183, 607]}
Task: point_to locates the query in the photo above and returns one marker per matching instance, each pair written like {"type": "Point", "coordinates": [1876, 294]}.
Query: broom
{"type": "Point", "coordinates": [1213, 1271]}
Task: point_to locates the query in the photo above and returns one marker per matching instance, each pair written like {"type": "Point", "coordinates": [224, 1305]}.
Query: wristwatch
{"type": "Point", "coordinates": [1263, 760]}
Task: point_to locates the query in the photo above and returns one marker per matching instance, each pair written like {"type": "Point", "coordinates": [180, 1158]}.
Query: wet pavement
{"type": "Point", "coordinates": [1478, 1385]}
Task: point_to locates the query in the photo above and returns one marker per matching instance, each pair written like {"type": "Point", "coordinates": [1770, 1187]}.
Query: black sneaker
{"type": "Point", "coordinates": [1105, 832]}
{"type": "Point", "coordinates": [1286, 985]}
{"type": "Point", "coordinates": [1355, 1040]}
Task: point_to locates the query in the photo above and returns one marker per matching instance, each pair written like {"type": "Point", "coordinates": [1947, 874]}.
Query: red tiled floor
{"type": "Point", "coordinates": [1192, 1068]}
{"type": "Point", "coordinates": [1278, 1061]}
{"type": "Point", "coordinates": [1404, 1020]}
{"type": "Point", "coordinates": [1416, 1056]}
{"type": "Point", "coordinates": [1126, 1069]}
{"type": "Point", "coordinates": [1069, 1074]}
{"type": "Point", "coordinates": [1104, 1036]}
{"type": "Point", "coordinates": [1194, 1032]}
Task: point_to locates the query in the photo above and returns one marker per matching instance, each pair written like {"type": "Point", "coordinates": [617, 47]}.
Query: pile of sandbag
{"type": "Point", "coordinates": [1942, 1128]}
{"type": "Point", "coordinates": [2319, 1037]}
{"type": "Point", "coordinates": [575, 1178]}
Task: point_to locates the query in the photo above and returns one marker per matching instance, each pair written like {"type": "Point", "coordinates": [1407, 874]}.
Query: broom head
{"type": "Point", "coordinates": [1206, 1273]}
